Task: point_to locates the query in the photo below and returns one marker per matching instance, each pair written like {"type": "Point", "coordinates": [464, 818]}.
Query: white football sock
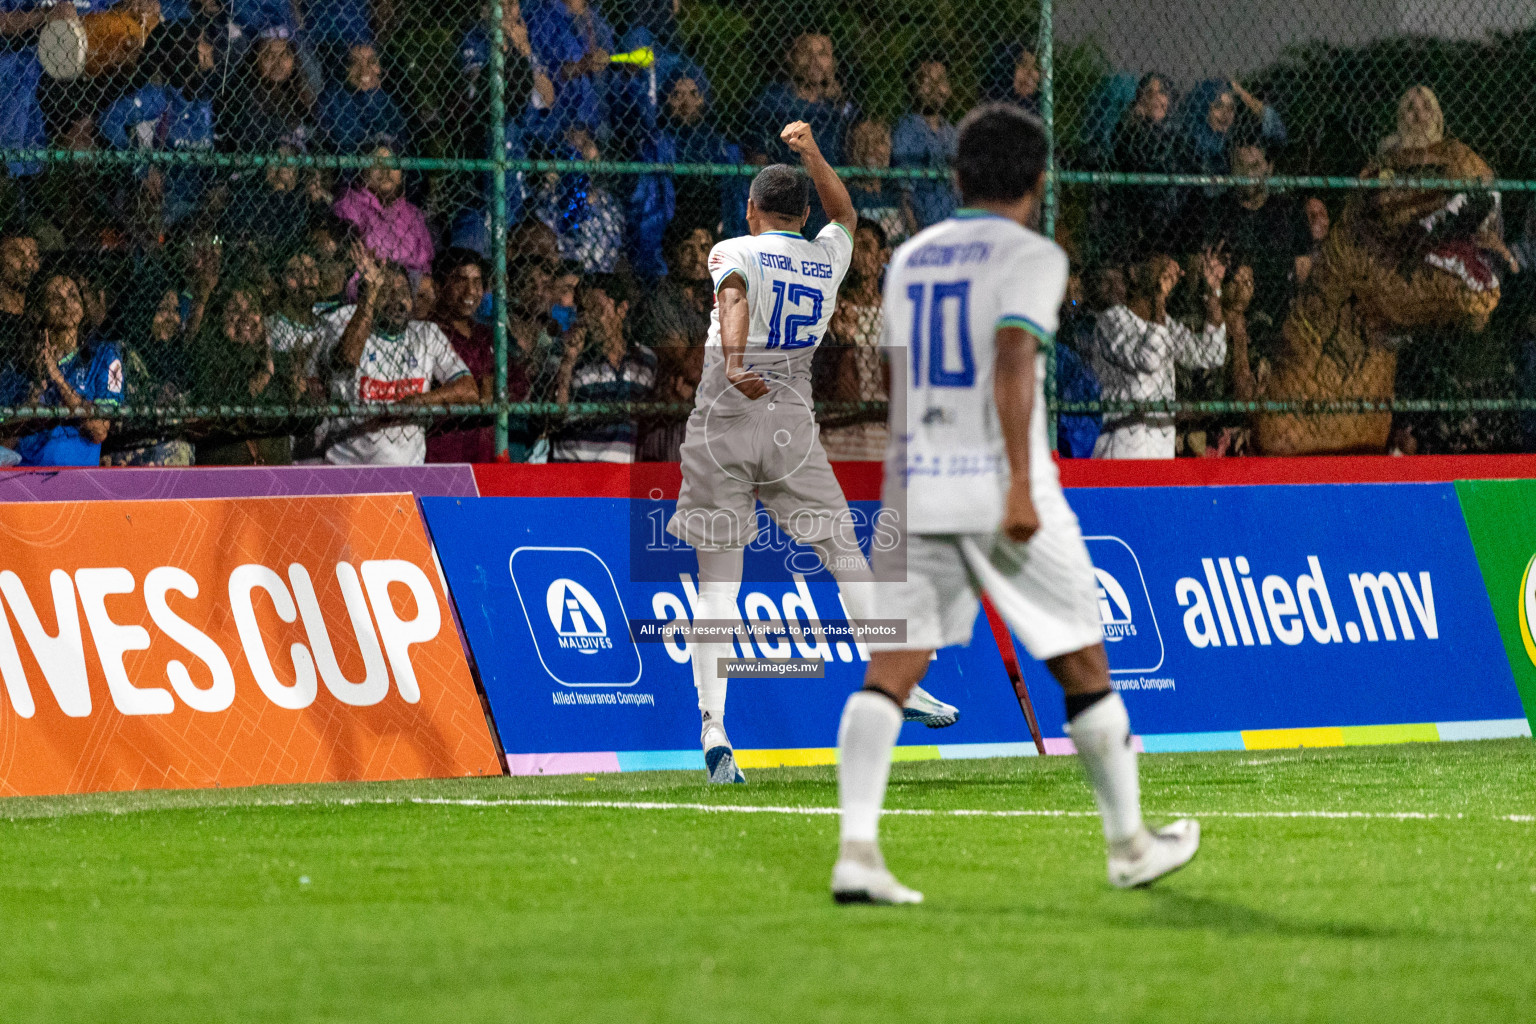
{"type": "Point", "coordinates": [719, 582]}
{"type": "Point", "coordinates": [1102, 735]}
{"type": "Point", "coordinates": [871, 722]}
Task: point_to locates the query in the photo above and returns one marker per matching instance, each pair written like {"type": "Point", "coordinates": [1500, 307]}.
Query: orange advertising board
{"type": "Point", "coordinates": [228, 642]}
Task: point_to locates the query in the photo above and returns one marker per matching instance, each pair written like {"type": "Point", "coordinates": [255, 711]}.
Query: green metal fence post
{"type": "Point", "coordinates": [1046, 59]}
{"type": "Point", "coordinates": [499, 220]}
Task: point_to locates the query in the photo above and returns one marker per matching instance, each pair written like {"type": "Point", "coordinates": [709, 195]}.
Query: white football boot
{"type": "Point", "coordinates": [924, 707]}
{"type": "Point", "coordinates": [860, 876]}
{"type": "Point", "coordinates": [719, 758]}
{"type": "Point", "coordinates": [1162, 853]}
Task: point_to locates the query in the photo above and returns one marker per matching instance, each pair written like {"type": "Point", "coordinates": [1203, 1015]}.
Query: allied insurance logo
{"type": "Point", "coordinates": [1528, 609]}
{"type": "Point", "coordinates": [1131, 637]}
{"type": "Point", "coordinates": [575, 616]}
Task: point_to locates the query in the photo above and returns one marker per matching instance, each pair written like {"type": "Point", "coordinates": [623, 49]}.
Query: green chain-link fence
{"type": "Point", "coordinates": [196, 191]}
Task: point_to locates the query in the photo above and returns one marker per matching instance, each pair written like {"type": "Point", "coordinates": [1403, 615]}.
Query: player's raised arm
{"type": "Point", "coordinates": [829, 188]}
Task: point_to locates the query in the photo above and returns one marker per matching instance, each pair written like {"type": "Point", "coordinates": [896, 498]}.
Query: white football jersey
{"type": "Point", "coordinates": [947, 292]}
{"type": "Point", "coordinates": [791, 292]}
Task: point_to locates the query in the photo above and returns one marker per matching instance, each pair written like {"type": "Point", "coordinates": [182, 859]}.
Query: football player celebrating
{"type": "Point", "coordinates": [752, 435]}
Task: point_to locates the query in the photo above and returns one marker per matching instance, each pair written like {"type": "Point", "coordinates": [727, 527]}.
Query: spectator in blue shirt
{"type": "Point", "coordinates": [587, 218]}
{"type": "Point", "coordinates": [173, 110]}
{"type": "Point", "coordinates": [926, 138]}
{"type": "Point", "coordinates": [333, 27]}
{"type": "Point", "coordinates": [76, 371]}
{"type": "Point", "coordinates": [812, 94]}
{"type": "Point", "coordinates": [684, 134]}
{"type": "Point", "coordinates": [358, 110]}
{"type": "Point", "coordinates": [879, 200]}
{"type": "Point", "coordinates": [573, 40]}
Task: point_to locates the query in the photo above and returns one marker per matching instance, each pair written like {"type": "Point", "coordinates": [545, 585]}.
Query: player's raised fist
{"type": "Point", "coordinates": [797, 136]}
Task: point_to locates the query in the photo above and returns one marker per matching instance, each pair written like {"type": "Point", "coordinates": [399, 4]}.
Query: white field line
{"type": "Point", "coordinates": [785, 809]}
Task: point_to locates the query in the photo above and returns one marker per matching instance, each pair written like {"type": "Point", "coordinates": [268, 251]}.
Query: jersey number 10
{"type": "Point", "coordinates": [950, 362]}
{"type": "Point", "coordinates": [786, 334]}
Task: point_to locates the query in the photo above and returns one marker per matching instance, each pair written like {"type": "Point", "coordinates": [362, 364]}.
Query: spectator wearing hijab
{"type": "Point", "coordinates": [1420, 123]}
{"type": "Point", "coordinates": [1145, 219]}
{"type": "Point", "coordinates": [1013, 76]}
{"type": "Point", "coordinates": [1210, 113]}
{"type": "Point", "coordinates": [358, 109]}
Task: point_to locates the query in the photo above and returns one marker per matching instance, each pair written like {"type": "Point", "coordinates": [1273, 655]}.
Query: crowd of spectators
{"type": "Point", "coordinates": [276, 289]}
{"type": "Point", "coordinates": [242, 301]}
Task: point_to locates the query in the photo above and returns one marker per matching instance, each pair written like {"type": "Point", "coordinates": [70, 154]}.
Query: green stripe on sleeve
{"type": "Point", "coordinates": [1026, 324]}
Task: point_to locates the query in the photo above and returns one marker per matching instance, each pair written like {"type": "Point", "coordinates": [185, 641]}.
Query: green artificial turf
{"type": "Point", "coordinates": [363, 903]}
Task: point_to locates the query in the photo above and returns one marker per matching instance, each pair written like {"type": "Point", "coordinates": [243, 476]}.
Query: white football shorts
{"type": "Point", "coordinates": [773, 456]}
{"type": "Point", "coordinates": [1045, 589]}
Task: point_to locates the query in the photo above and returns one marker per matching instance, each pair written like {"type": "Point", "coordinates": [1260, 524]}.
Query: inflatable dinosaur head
{"type": "Point", "coordinates": [1454, 232]}
{"type": "Point", "coordinates": [1398, 260]}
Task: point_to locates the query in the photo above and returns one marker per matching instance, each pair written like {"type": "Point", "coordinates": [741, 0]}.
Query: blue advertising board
{"type": "Point", "coordinates": [545, 588]}
{"type": "Point", "coordinates": [1232, 610]}
{"type": "Point", "coordinates": [1234, 617]}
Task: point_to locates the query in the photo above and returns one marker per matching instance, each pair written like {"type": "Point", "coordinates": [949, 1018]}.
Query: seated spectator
{"type": "Point", "coordinates": [687, 134]}
{"type": "Point", "coordinates": [600, 365]}
{"type": "Point", "coordinates": [811, 93]}
{"type": "Point", "coordinates": [926, 138]}
{"type": "Point", "coordinates": [673, 322]}
{"type": "Point", "coordinates": [173, 110]}
{"type": "Point", "coordinates": [587, 219]}
{"type": "Point", "coordinates": [293, 326]}
{"type": "Point", "coordinates": [1077, 433]}
{"type": "Point", "coordinates": [327, 240]}
{"type": "Point", "coordinates": [269, 100]}
{"type": "Point", "coordinates": [159, 364]}
{"type": "Point", "coordinates": [461, 289]}
{"type": "Point", "coordinates": [1014, 77]}
{"type": "Point", "coordinates": [1210, 113]}
{"type": "Point", "coordinates": [392, 227]}
{"type": "Point", "coordinates": [269, 208]}
{"type": "Point", "coordinates": [74, 371]}
{"type": "Point", "coordinates": [358, 110]}
{"type": "Point", "coordinates": [333, 27]}
{"type": "Point", "coordinates": [1420, 123]}
{"type": "Point", "coordinates": [1145, 219]}
{"type": "Point", "coordinates": [855, 333]}
{"type": "Point", "coordinates": [573, 40]}
{"type": "Point", "coordinates": [880, 200]}
{"type": "Point", "coordinates": [236, 365]}
{"type": "Point", "coordinates": [376, 353]}
{"type": "Point", "coordinates": [1138, 347]}
{"type": "Point", "coordinates": [1265, 233]}
{"type": "Point", "coordinates": [533, 333]}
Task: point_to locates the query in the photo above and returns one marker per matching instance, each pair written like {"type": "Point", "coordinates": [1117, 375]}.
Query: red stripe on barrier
{"type": "Point", "coordinates": [861, 480]}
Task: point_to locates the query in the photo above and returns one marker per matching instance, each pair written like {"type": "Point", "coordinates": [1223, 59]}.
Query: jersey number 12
{"type": "Point", "coordinates": [787, 334]}
{"type": "Point", "coordinates": [950, 362]}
